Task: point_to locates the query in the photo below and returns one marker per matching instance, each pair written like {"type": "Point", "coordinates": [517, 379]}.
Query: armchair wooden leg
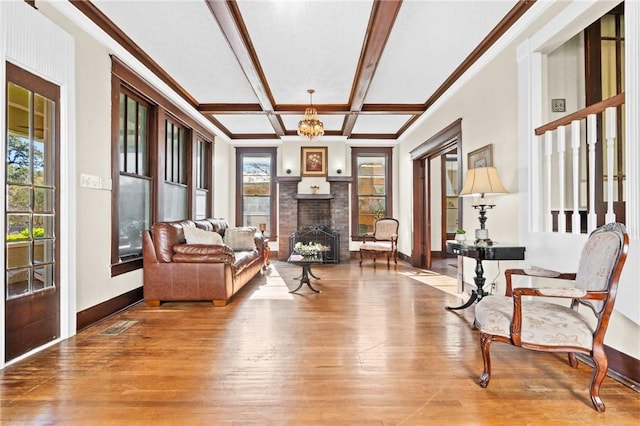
{"type": "Point", "coordinates": [485, 343]}
{"type": "Point", "coordinates": [600, 366]}
{"type": "Point", "coordinates": [153, 303]}
{"type": "Point", "coordinates": [572, 360]}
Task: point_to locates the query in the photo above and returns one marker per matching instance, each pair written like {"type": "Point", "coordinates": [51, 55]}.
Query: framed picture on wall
{"type": "Point", "coordinates": [313, 161]}
{"type": "Point", "coordinates": [481, 157]}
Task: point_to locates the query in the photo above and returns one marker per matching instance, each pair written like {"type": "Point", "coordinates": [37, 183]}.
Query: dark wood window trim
{"type": "Point", "coordinates": [119, 266]}
{"type": "Point", "coordinates": [593, 39]}
{"type": "Point", "coordinates": [202, 176]}
{"type": "Point", "coordinates": [123, 78]}
{"type": "Point", "coordinates": [271, 151]}
{"type": "Point", "coordinates": [378, 151]}
{"type": "Point", "coordinates": [175, 152]}
{"type": "Point", "coordinates": [176, 170]}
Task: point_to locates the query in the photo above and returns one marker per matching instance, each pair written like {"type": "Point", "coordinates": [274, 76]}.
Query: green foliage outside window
{"type": "Point", "coordinates": [24, 235]}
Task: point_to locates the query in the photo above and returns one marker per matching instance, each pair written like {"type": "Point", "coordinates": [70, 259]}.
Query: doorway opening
{"type": "Point", "coordinates": [437, 177]}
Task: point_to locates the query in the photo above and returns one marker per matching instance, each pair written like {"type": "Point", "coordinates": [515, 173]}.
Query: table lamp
{"type": "Point", "coordinates": [479, 182]}
{"type": "Point", "coordinates": [263, 227]}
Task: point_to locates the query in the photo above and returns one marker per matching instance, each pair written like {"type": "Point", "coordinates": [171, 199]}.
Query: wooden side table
{"type": "Point", "coordinates": [481, 252]}
{"type": "Point", "coordinates": [267, 252]}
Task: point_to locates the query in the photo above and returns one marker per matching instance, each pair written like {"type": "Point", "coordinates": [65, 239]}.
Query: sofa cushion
{"type": "Point", "coordinates": [166, 235]}
{"type": "Point", "coordinates": [244, 259]}
{"type": "Point", "coordinates": [217, 225]}
{"type": "Point", "coordinates": [203, 253]}
{"type": "Point", "coordinates": [202, 249]}
{"type": "Point", "coordinates": [200, 236]}
{"type": "Point", "coordinates": [240, 238]}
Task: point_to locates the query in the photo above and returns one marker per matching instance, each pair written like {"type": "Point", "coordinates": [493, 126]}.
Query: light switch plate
{"type": "Point", "coordinates": [558, 105]}
{"type": "Point", "coordinates": [90, 181]}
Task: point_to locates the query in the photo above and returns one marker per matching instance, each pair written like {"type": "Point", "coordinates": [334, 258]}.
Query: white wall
{"type": "Point", "coordinates": [565, 77]}
{"type": "Point", "coordinates": [93, 150]}
{"type": "Point", "coordinates": [338, 156]}
{"type": "Point", "coordinates": [487, 106]}
{"type": "Point", "coordinates": [436, 202]}
{"type": "Point", "coordinates": [224, 181]}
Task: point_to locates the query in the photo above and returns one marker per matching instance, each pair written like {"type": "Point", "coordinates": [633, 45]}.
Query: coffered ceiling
{"type": "Point", "coordinates": [246, 65]}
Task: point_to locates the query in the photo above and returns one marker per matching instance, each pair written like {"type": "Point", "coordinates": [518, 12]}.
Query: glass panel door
{"type": "Point", "coordinates": [31, 235]}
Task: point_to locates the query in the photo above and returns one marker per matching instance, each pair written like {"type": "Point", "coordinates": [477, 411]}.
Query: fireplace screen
{"type": "Point", "coordinates": [321, 235]}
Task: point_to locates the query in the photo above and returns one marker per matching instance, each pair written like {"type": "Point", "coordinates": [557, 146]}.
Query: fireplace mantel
{"type": "Point", "coordinates": [313, 196]}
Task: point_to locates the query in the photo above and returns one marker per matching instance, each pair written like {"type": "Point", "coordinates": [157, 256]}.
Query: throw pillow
{"type": "Point", "coordinates": [200, 236]}
{"type": "Point", "coordinates": [240, 238]}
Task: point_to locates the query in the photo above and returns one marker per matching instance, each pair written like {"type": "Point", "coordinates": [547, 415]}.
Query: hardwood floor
{"type": "Point", "coordinates": [376, 347]}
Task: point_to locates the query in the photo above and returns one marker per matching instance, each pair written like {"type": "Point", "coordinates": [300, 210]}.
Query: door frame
{"type": "Point", "coordinates": [49, 52]}
{"type": "Point", "coordinates": [446, 139]}
{"type": "Point", "coordinates": [21, 329]}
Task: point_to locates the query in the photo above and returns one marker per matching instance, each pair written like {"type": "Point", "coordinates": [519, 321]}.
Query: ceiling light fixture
{"type": "Point", "coordinates": [310, 126]}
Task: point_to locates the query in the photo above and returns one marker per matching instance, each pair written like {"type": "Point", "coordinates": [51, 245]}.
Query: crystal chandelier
{"type": "Point", "coordinates": [310, 126]}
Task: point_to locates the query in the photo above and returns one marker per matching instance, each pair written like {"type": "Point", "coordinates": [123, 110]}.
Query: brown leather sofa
{"type": "Point", "coordinates": [176, 271]}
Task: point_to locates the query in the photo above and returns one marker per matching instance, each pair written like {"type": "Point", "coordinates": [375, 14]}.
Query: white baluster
{"type": "Point", "coordinates": [548, 143]}
{"type": "Point", "coordinates": [562, 219]}
{"type": "Point", "coordinates": [536, 166]}
{"type": "Point", "coordinates": [575, 146]}
{"type": "Point", "coordinates": [592, 140]}
{"type": "Point", "coordinates": [611, 137]}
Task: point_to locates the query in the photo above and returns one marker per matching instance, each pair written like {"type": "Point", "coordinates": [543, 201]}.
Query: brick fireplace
{"type": "Point", "coordinates": [301, 212]}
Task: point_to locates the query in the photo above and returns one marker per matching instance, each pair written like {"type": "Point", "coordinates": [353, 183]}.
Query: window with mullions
{"type": "Point", "coordinates": [134, 182]}
{"type": "Point", "coordinates": [372, 195]}
{"type": "Point", "coordinates": [30, 209]}
{"type": "Point", "coordinates": [162, 165]}
{"type": "Point", "coordinates": [256, 205]}
{"type": "Point", "coordinates": [202, 179]}
{"type": "Point", "coordinates": [175, 174]}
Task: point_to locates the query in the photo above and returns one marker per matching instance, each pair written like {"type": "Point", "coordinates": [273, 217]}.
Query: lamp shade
{"type": "Point", "coordinates": [482, 181]}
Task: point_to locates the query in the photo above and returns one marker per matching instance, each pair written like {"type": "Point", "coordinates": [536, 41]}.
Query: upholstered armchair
{"type": "Point", "coordinates": [521, 319]}
{"type": "Point", "coordinates": [383, 239]}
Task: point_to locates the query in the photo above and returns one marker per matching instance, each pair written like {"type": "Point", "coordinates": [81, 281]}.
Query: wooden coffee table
{"type": "Point", "coordinates": [306, 263]}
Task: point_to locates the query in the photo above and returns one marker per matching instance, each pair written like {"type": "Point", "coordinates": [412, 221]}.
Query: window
{"type": "Point", "coordinates": [162, 165]}
{"type": "Point", "coordinates": [255, 169]}
{"type": "Point", "coordinates": [31, 197]}
{"type": "Point", "coordinates": [372, 193]}
{"type": "Point", "coordinates": [134, 180]}
{"type": "Point", "coordinates": [202, 179]}
{"type": "Point", "coordinates": [175, 175]}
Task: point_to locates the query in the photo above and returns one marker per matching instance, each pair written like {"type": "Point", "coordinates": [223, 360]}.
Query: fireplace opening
{"type": "Point", "coordinates": [313, 213]}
